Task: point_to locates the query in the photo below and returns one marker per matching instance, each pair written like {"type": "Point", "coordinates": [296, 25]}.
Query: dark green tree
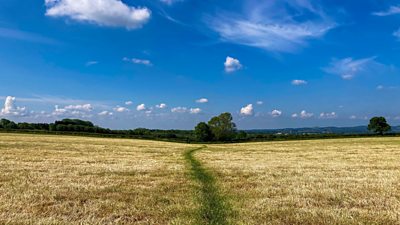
{"type": "Point", "coordinates": [7, 124]}
{"type": "Point", "coordinates": [379, 125]}
{"type": "Point", "coordinates": [242, 135]}
{"type": "Point", "coordinates": [222, 127]}
{"type": "Point", "coordinates": [203, 132]}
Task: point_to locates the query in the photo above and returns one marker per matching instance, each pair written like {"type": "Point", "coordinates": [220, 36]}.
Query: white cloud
{"type": "Point", "coordinates": [128, 103]}
{"type": "Point", "coordinates": [331, 115]}
{"type": "Point", "coordinates": [303, 114]}
{"type": "Point", "coordinates": [276, 113]}
{"type": "Point", "coordinates": [112, 13]}
{"type": "Point", "coordinates": [179, 109]}
{"type": "Point", "coordinates": [83, 111]}
{"type": "Point", "coordinates": [348, 68]}
{"type": "Point", "coordinates": [170, 2]}
{"type": "Point", "coordinates": [299, 82]}
{"type": "Point", "coordinates": [85, 107]}
{"type": "Point", "coordinates": [391, 11]}
{"type": "Point", "coordinates": [20, 35]}
{"type": "Point", "coordinates": [138, 61]}
{"type": "Point", "coordinates": [247, 110]}
{"type": "Point", "coordinates": [161, 106]}
{"type": "Point", "coordinates": [353, 117]}
{"type": "Point", "coordinates": [121, 109]}
{"type": "Point", "coordinates": [10, 109]}
{"type": "Point", "coordinates": [232, 65]}
{"type": "Point", "coordinates": [278, 26]}
{"type": "Point", "coordinates": [105, 113]}
{"type": "Point", "coordinates": [195, 110]}
{"type": "Point", "coordinates": [397, 33]}
{"type": "Point", "coordinates": [141, 107]}
{"type": "Point", "coordinates": [202, 100]}
{"type": "Point", "coordinates": [91, 63]}
{"type": "Point", "coordinates": [259, 102]}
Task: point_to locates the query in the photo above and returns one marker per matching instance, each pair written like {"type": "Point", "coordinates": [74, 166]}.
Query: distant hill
{"type": "Point", "coordinates": [319, 130]}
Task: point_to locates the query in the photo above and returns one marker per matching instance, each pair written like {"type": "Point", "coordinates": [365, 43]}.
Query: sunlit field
{"type": "Point", "coordinates": [72, 180]}
{"type": "Point", "coordinates": [64, 180]}
{"type": "Point", "coordinates": [345, 181]}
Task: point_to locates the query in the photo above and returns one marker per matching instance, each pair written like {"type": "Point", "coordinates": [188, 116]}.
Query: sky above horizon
{"type": "Point", "coordinates": [170, 64]}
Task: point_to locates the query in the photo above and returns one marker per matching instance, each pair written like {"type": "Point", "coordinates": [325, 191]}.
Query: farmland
{"type": "Point", "coordinates": [63, 180]}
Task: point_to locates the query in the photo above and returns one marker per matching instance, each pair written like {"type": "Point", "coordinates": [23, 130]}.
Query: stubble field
{"type": "Point", "coordinates": [73, 180]}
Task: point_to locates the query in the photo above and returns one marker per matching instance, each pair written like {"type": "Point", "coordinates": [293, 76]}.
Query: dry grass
{"type": "Point", "coordinates": [64, 180]}
{"type": "Point", "coordinates": [347, 181]}
{"type": "Point", "coordinates": [78, 180]}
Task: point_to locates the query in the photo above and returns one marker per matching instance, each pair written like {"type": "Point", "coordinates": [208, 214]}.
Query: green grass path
{"type": "Point", "coordinates": [213, 210]}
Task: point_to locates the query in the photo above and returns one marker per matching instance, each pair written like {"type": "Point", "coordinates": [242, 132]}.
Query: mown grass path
{"type": "Point", "coordinates": [214, 210]}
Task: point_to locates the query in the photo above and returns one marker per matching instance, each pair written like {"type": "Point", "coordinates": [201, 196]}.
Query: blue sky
{"type": "Point", "coordinates": [172, 63]}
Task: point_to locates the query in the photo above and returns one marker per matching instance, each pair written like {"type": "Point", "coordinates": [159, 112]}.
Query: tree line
{"type": "Point", "coordinates": [218, 129]}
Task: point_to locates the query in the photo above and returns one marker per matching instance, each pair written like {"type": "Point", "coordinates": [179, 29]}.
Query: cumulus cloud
{"type": "Point", "coordinates": [303, 115]}
{"type": "Point", "coordinates": [85, 107]}
{"type": "Point", "coordinates": [121, 109]}
{"type": "Point", "coordinates": [276, 113]}
{"type": "Point", "coordinates": [247, 110]}
{"type": "Point", "coordinates": [331, 115]}
{"type": "Point", "coordinates": [179, 109]}
{"type": "Point", "coordinates": [348, 68]}
{"type": "Point", "coordinates": [105, 113]}
{"type": "Point", "coordinates": [232, 65]}
{"type": "Point", "coordinates": [138, 61]}
{"type": "Point", "coordinates": [195, 110]}
{"type": "Point", "coordinates": [128, 103]}
{"type": "Point", "coordinates": [299, 82]}
{"type": "Point", "coordinates": [112, 13]}
{"type": "Point", "coordinates": [10, 109]}
{"type": "Point", "coordinates": [141, 107]}
{"type": "Point", "coordinates": [393, 10]}
{"type": "Point", "coordinates": [202, 100]}
{"type": "Point", "coordinates": [278, 26]}
{"type": "Point", "coordinates": [83, 111]}
{"type": "Point", "coordinates": [161, 106]}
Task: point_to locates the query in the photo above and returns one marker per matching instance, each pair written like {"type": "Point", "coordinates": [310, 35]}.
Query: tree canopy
{"type": "Point", "coordinates": [203, 132]}
{"type": "Point", "coordinates": [222, 127]}
{"type": "Point", "coordinates": [379, 125]}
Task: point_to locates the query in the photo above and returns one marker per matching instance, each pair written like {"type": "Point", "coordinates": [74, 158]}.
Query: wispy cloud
{"type": "Point", "coordinates": [391, 11]}
{"type": "Point", "coordinates": [299, 82]}
{"type": "Point", "coordinates": [113, 13]}
{"type": "Point", "coordinates": [348, 68]}
{"type": "Point", "coordinates": [26, 36]}
{"type": "Point", "coordinates": [170, 2]}
{"type": "Point", "coordinates": [91, 63]}
{"type": "Point", "coordinates": [273, 25]}
{"type": "Point", "coordinates": [145, 62]}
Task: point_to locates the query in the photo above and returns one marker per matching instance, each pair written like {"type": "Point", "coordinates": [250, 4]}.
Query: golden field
{"type": "Point", "coordinates": [71, 180]}
{"type": "Point", "coordinates": [81, 180]}
{"type": "Point", "coordinates": [340, 181]}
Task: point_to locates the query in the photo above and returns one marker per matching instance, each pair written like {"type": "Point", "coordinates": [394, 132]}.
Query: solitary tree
{"type": "Point", "coordinates": [379, 125]}
{"type": "Point", "coordinates": [203, 132]}
{"type": "Point", "coordinates": [222, 127]}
